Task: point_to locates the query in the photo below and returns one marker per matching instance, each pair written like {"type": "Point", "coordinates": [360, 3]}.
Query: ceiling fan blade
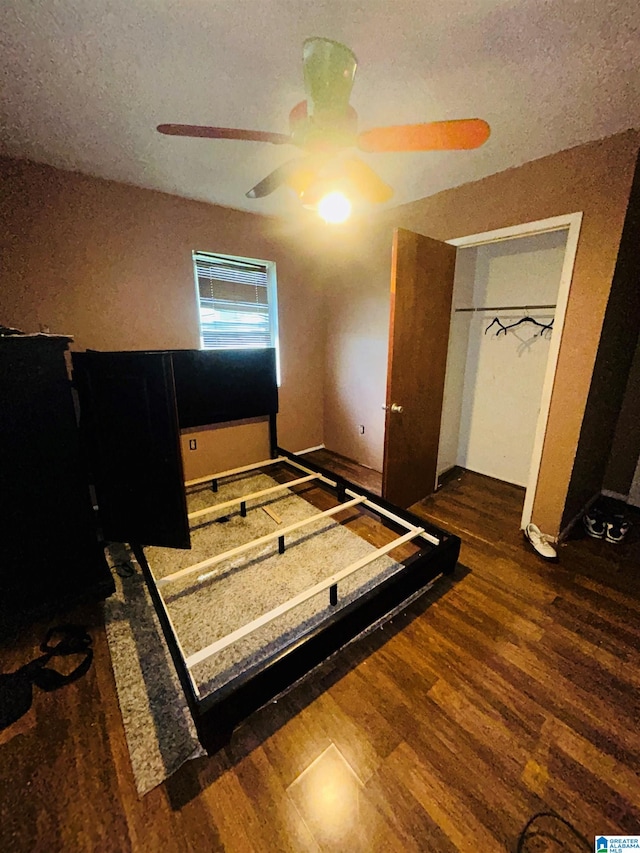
{"type": "Point", "coordinates": [329, 70]}
{"type": "Point", "coordinates": [196, 130]}
{"type": "Point", "coordinates": [436, 136]}
{"type": "Point", "coordinates": [285, 174]}
{"type": "Point", "coordinates": [367, 182]}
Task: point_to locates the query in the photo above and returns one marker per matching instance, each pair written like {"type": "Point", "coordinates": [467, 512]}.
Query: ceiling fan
{"type": "Point", "coordinates": [325, 127]}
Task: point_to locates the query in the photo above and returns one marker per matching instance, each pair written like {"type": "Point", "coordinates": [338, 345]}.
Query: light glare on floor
{"type": "Point", "coordinates": [327, 795]}
{"type": "Point", "coordinates": [335, 208]}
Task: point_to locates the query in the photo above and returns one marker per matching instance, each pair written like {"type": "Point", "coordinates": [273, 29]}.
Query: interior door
{"type": "Point", "coordinates": [129, 424]}
{"type": "Point", "coordinates": [422, 271]}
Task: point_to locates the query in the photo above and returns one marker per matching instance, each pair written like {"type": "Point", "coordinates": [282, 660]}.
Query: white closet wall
{"type": "Point", "coordinates": [494, 382]}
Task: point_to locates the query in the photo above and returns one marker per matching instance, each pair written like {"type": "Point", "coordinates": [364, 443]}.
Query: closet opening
{"type": "Point", "coordinates": [509, 299]}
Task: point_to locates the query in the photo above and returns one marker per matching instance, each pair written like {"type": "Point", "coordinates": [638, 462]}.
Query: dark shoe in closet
{"type": "Point", "coordinates": [595, 523]}
{"type": "Point", "coordinates": [617, 529]}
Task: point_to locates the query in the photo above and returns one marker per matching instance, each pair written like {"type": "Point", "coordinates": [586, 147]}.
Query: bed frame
{"type": "Point", "coordinates": [133, 406]}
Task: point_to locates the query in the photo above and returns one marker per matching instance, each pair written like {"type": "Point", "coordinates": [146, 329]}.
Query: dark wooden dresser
{"type": "Point", "coordinates": [49, 551]}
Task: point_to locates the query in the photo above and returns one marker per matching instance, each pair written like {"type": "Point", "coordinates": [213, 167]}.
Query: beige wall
{"type": "Point", "coordinates": [612, 367]}
{"type": "Point", "coordinates": [357, 308]}
{"type": "Point", "coordinates": [111, 265]}
{"type": "Point", "coordinates": [594, 179]}
{"type": "Point", "coordinates": [224, 446]}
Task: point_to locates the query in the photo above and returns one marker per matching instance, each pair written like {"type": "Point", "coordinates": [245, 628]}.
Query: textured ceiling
{"type": "Point", "coordinates": [85, 82]}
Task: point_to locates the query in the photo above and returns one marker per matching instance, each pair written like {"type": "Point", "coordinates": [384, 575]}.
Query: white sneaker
{"type": "Point", "coordinates": [540, 543]}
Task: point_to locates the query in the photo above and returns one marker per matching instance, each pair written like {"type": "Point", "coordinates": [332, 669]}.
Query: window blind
{"type": "Point", "coordinates": [234, 302]}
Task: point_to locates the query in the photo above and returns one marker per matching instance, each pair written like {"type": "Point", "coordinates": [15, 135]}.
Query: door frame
{"type": "Point", "coordinates": [570, 223]}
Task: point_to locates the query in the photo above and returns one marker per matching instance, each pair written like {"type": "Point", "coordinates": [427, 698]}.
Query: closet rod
{"type": "Point", "coordinates": [507, 308]}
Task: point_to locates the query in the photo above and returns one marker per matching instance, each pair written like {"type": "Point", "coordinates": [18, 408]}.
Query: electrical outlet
{"type": "Point", "coordinates": [361, 429]}
{"type": "Point", "coordinates": [193, 445]}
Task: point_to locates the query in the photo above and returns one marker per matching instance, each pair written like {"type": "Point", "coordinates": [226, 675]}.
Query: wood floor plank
{"type": "Point", "coordinates": [461, 754]}
{"type": "Point", "coordinates": [238, 825]}
{"type": "Point", "coordinates": [537, 669]}
{"type": "Point", "coordinates": [278, 815]}
{"type": "Point", "coordinates": [601, 805]}
{"type": "Point", "coordinates": [622, 643]}
{"type": "Point", "coordinates": [380, 733]}
{"type": "Point", "coordinates": [293, 747]}
{"type": "Point", "coordinates": [414, 828]}
{"type": "Point", "coordinates": [442, 802]}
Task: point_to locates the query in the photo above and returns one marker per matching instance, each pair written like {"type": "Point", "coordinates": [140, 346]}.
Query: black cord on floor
{"type": "Point", "coordinates": [546, 833]}
{"type": "Point", "coordinates": [124, 569]}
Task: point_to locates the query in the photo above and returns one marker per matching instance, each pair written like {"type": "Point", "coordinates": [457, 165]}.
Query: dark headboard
{"type": "Point", "coordinates": [213, 386]}
{"type": "Point", "coordinates": [133, 405]}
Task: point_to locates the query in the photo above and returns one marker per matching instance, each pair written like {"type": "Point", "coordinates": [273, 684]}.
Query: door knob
{"type": "Point", "coordinates": [394, 407]}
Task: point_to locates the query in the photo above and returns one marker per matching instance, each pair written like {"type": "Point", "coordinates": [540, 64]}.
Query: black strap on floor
{"type": "Point", "coordinates": [16, 688]}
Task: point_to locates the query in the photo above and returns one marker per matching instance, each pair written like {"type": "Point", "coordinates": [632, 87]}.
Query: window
{"type": "Point", "coordinates": [237, 302]}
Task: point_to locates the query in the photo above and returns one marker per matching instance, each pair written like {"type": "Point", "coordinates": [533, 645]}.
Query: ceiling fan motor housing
{"type": "Point", "coordinates": [329, 70]}
{"type": "Point", "coordinates": [324, 132]}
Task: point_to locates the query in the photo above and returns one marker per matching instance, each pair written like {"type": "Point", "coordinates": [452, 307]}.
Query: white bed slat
{"type": "Point", "coordinates": [376, 507]}
{"type": "Point", "coordinates": [396, 518]}
{"type": "Point", "coordinates": [240, 549]}
{"type": "Point", "coordinates": [232, 471]}
{"type": "Point", "coordinates": [302, 467]}
{"type": "Point", "coordinates": [281, 609]}
{"type": "Point", "coordinates": [200, 512]}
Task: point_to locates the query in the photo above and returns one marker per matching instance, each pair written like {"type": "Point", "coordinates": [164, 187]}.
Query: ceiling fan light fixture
{"type": "Point", "coordinates": [334, 207]}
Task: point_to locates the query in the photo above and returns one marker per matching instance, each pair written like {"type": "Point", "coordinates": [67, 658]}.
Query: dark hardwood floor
{"type": "Point", "coordinates": [511, 689]}
{"type": "Point", "coordinates": [366, 478]}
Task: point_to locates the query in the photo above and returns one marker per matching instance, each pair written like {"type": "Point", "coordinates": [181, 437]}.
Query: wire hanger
{"type": "Point", "coordinates": [527, 319]}
{"type": "Point", "coordinates": [499, 322]}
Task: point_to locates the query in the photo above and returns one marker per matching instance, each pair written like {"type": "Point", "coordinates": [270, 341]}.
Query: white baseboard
{"type": "Point", "coordinates": [308, 450]}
